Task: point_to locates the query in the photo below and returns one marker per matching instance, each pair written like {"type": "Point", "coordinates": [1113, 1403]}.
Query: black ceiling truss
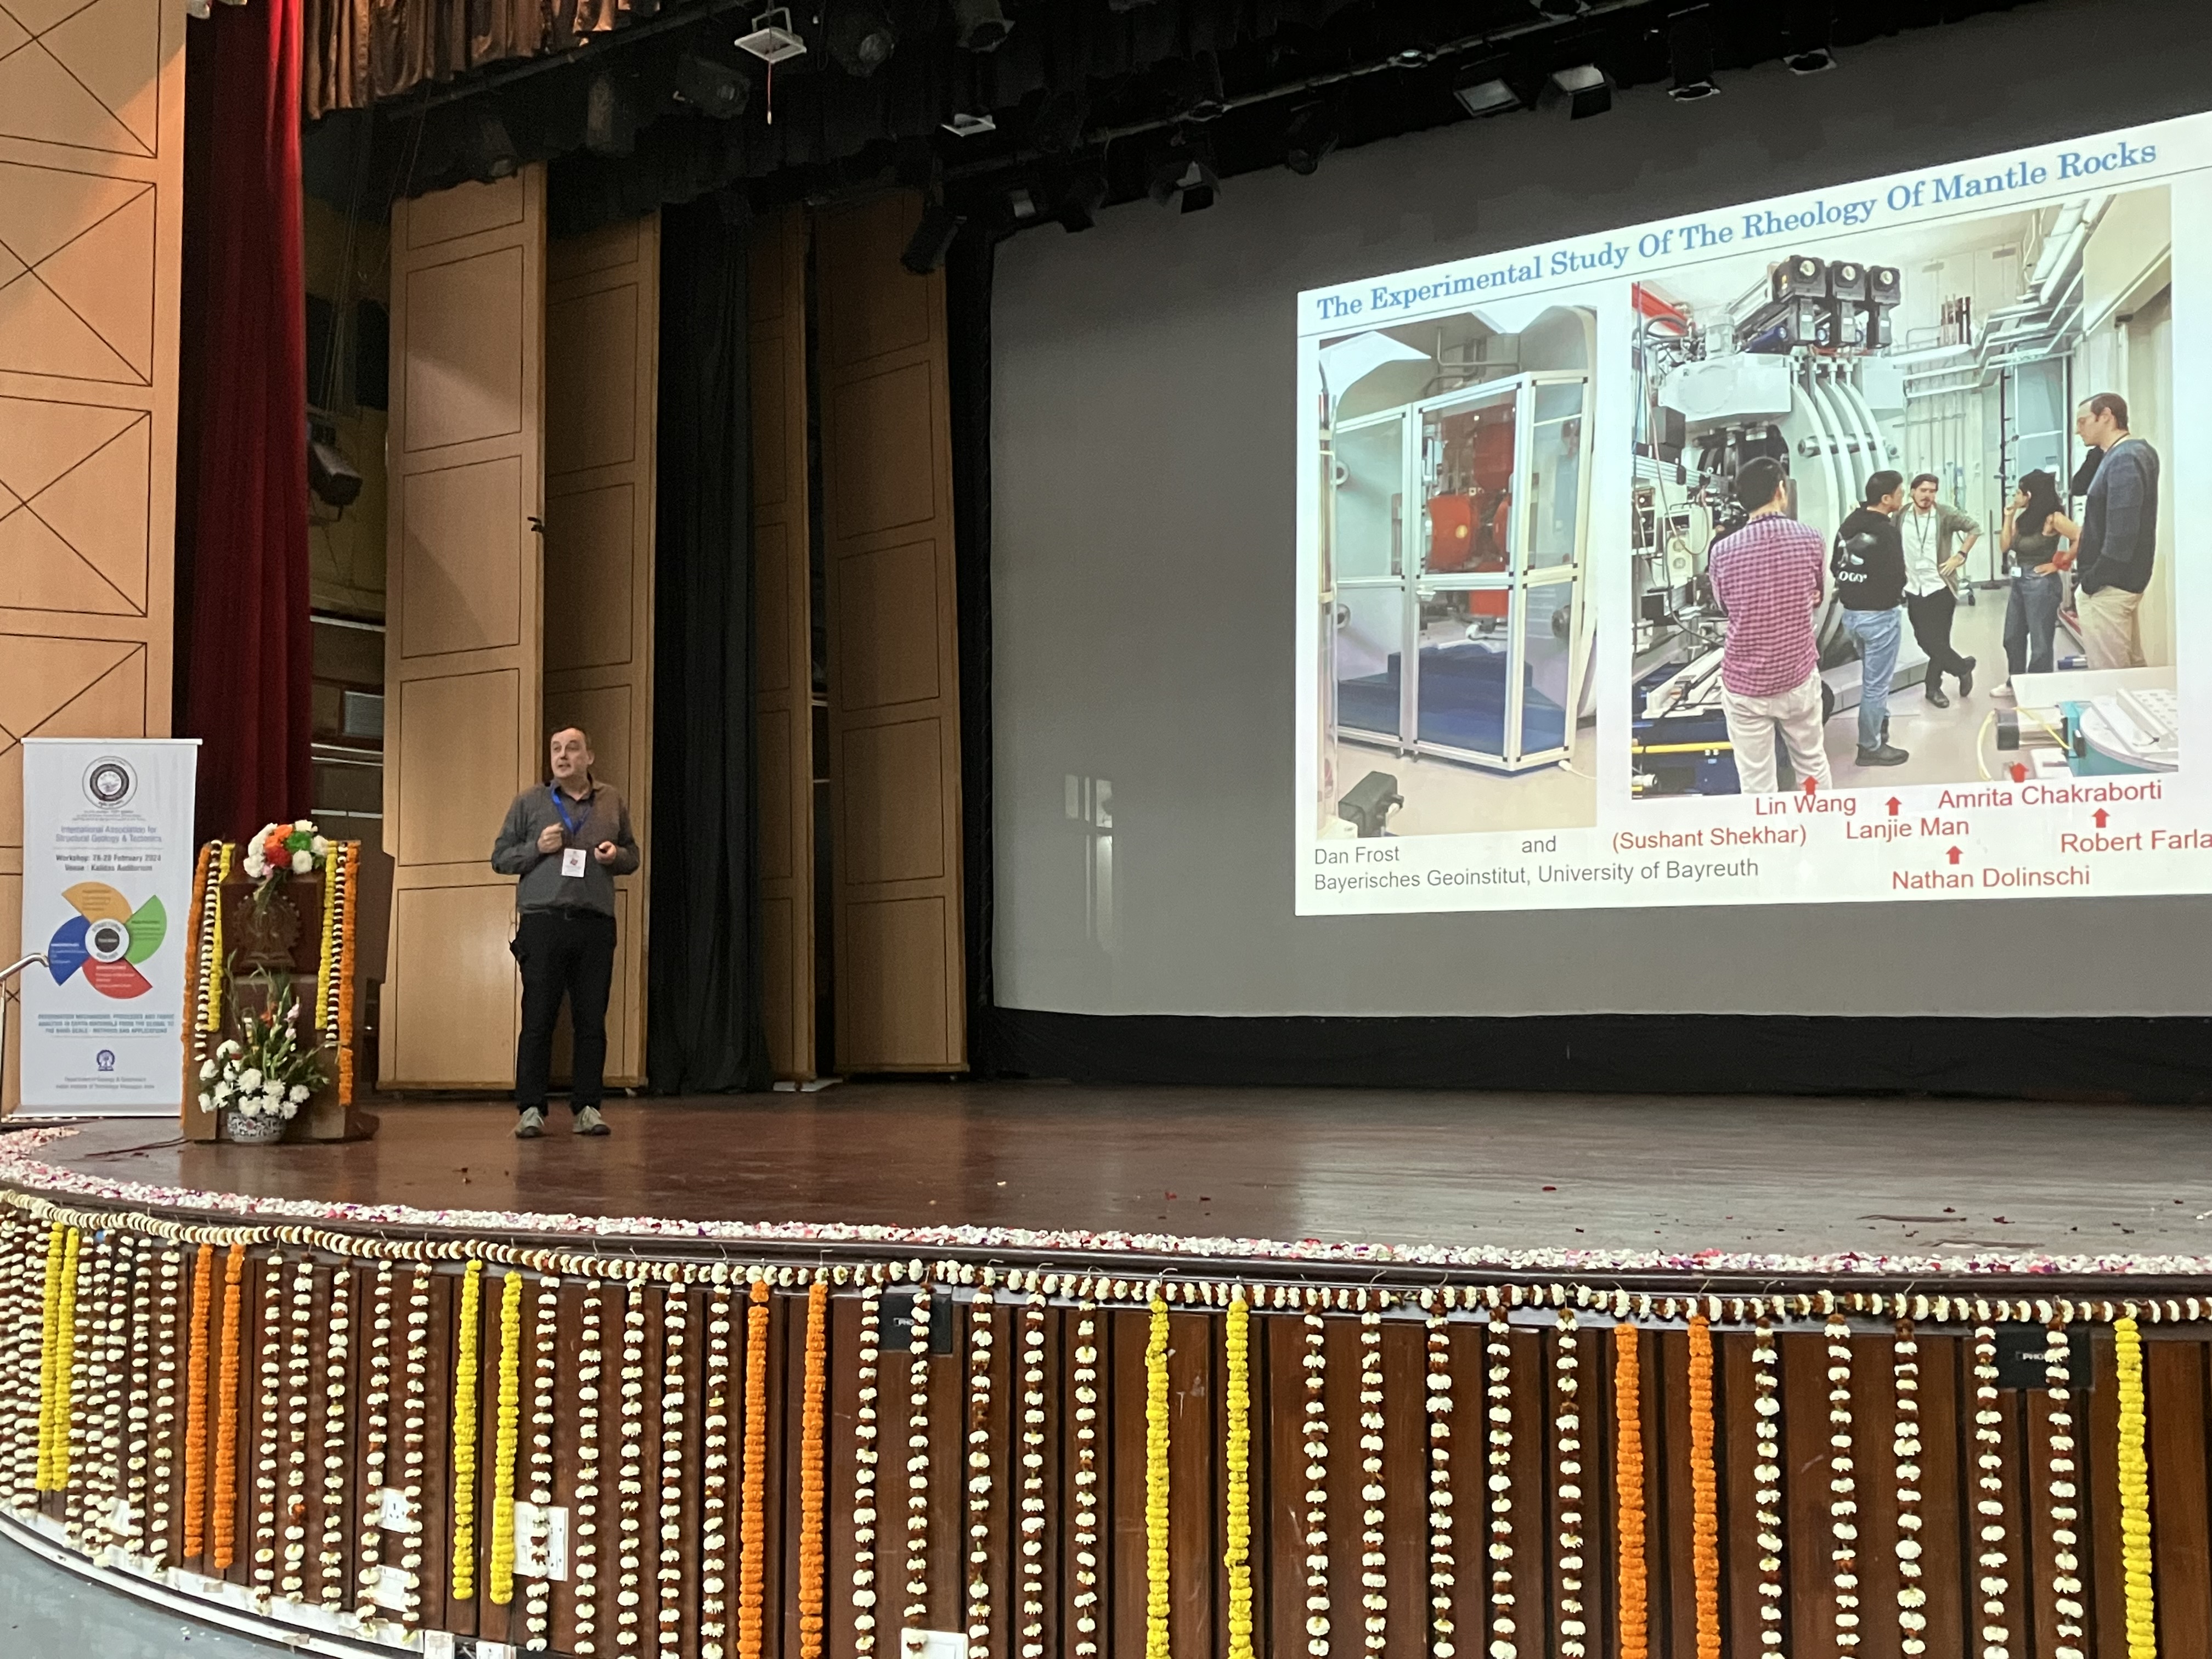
{"type": "Point", "coordinates": [1090, 102]}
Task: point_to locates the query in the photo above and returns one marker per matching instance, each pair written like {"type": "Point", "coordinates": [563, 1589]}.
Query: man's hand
{"type": "Point", "coordinates": [550, 838]}
{"type": "Point", "coordinates": [1956, 562]}
{"type": "Point", "coordinates": [606, 852]}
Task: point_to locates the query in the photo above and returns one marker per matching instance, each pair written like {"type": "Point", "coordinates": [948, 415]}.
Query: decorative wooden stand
{"type": "Point", "coordinates": [238, 945]}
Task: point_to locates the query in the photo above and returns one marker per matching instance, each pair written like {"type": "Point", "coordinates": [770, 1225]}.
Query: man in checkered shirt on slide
{"type": "Point", "coordinates": [1768, 578]}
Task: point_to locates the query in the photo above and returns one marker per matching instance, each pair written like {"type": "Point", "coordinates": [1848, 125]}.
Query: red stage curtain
{"type": "Point", "coordinates": [247, 669]}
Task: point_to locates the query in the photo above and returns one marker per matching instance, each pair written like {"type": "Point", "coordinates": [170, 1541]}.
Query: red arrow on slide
{"type": "Point", "coordinates": [2102, 818]}
{"type": "Point", "coordinates": [1812, 784]}
{"type": "Point", "coordinates": [2020, 771]}
{"type": "Point", "coordinates": [1893, 805]}
{"type": "Point", "coordinates": [1954, 856]}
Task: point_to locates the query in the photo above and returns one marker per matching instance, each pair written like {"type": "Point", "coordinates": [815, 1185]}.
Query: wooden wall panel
{"type": "Point", "coordinates": [894, 652]}
{"type": "Point", "coordinates": [91, 107]}
{"type": "Point", "coordinates": [783, 678]}
{"type": "Point", "coordinates": [463, 667]}
{"type": "Point", "coordinates": [601, 390]}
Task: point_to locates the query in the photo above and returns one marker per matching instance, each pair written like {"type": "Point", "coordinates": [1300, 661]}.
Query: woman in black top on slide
{"type": "Point", "coordinates": [2036, 543]}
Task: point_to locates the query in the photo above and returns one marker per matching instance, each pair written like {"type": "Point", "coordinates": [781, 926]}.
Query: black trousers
{"type": "Point", "coordinates": [1931, 625]}
{"type": "Point", "coordinates": [563, 953]}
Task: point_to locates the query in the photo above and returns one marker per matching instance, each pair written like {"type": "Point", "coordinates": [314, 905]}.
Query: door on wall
{"type": "Point", "coordinates": [463, 646]}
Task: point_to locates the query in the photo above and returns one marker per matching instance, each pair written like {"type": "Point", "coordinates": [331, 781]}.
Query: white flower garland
{"type": "Point", "coordinates": [867, 1434]}
{"type": "Point", "coordinates": [675, 1321]}
{"type": "Point", "coordinates": [266, 1420]}
{"type": "Point", "coordinates": [1843, 1484]}
{"type": "Point", "coordinates": [413, 1427]}
{"type": "Point", "coordinates": [629, 1474]}
{"type": "Point", "coordinates": [917, 1460]}
{"type": "Point", "coordinates": [18, 1390]}
{"type": "Point", "coordinates": [1905, 1447]}
{"type": "Point", "coordinates": [1766, 1471]}
{"type": "Point", "coordinates": [1989, 1506]}
{"type": "Point", "coordinates": [299, 1359]}
{"type": "Point", "coordinates": [87, 1371]}
{"type": "Point", "coordinates": [138, 1396]}
{"type": "Point", "coordinates": [1503, 1626]}
{"type": "Point", "coordinates": [1567, 1427]}
{"type": "Point", "coordinates": [1374, 1577]}
{"type": "Point", "coordinates": [160, 1541]}
{"type": "Point", "coordinates": [375, 1434]}
{"type": "Point", "coordinates": [1029, 1561]}
{"type": "Point", "coordinates": [1316, 1360]}
{"type": "Point", "coordinates": [978, 1461]}
{"type": "Point", "coordinates": [2065, 1583]}
{"type": "Point", "coordinates": [584, 1549]}
{"type": "Point", "coordinates": [545, 1338]}
{"type": "Point", "coordinates": [337, 1462]}
{"type": "Point", "coordinates": [1443, 1561]}
{"type": "Point", "coordinates": [714, 1481]}
{"type": "Point", "coordinates": [1085, 1380]}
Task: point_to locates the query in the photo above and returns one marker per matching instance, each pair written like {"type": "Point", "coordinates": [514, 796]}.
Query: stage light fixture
{"type": "Point", "coordinates": [1196, 89]}
{"type": "Point", "coordinates": [1690, 55]}
{"type": "Point", "coordinates": [1079, 209]}
{"type": "Point", "coordinates": [932, 241]}
{"type": "Point", "coordinates": [1584, 88]}
{"type": "Point", "coordinates": [490, 151]}
{"type": "Point", "coordinates": [1060, 122]}
{"type": "Point", "coordinates": [1021, 202]}
{"type": "Point", "coordinates": [334, 479]}
{"type": "Point", "coordinates": [980, 25]}
{"type": "Point", "coordinates": [609, 117]}
{"type": "Point", "coordinates": [860, 35]}
{"type": "Point", "coordinates": [1314, 131]}
{"type": "Point", "coordinates": [710, 88]}
{"type": "Point", "coordinates": [1184, 176]}
{"type": "Point", "coordinates": [1486, 95]}
{"type": "Point", "coordinates": [967, 126]}
{"type": "Point", "coordinates": [772, 38]}
{"type": "Point", "coordinates": [1808, 34]}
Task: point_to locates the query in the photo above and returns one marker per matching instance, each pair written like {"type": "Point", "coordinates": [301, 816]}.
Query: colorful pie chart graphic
{"type": "Point", "coordinates": [107, 940]}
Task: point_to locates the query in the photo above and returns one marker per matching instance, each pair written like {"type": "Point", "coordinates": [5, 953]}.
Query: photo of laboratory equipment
{"type": "Point", "coordinates": [1455, 466]}
{"type": "Point", "coordinates": [1957, 351]}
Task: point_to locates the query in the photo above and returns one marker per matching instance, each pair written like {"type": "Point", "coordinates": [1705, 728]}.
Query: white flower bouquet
{"type": "Point", "coordinates": [270, 1068]}
{"type": "Point", "coordinates": [278, 850]}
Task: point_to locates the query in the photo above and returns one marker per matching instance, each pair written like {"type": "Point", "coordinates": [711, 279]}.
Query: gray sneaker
{"type": "Point", "coordinates": [530, 1125]}
{"type": "Point", "coordinates": [589, 1122]}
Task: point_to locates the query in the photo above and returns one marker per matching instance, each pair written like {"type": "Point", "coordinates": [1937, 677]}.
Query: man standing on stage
{"type": "Point", "coordinates": [568, 841]}
{"type": "Point", "coordinates": [2119, 535]}
{"type": "Point", "coordinates": [1931, 568]}
{"type": "Point", "coordinates": [1767, 578]}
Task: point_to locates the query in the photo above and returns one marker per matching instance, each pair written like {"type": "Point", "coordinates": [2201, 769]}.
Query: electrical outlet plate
{"type": "Point", "coordinates": [391, 1590]}
{"type": "Point", "coordinates": [934, 1645]}
{"type": "Point", "coordinates": [541, 1541]}
{"type": "Point", "coordinates": [393, 1512]}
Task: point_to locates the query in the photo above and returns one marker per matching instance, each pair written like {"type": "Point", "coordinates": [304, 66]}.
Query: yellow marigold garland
{"type": "Point", "coordinates": [465, 1435]}
{"type": "Point", "coordinates": [1156, 1484]}
{"type": "Point", "coordinates": [752, 1515]}
{"type": "Point", "coordinates": [51, 1375]}
{"type": "Point", "coordinates": [326, 946]}
{"type": "Point", "coordinates": [508, 1434]}
{"type": "Point", "coordinates": [2135, 1496]}
{"type": "Point", "coordinates": [1236, 1556]}
{"type": "Point", "coordinates": [1628, 1480]}
{"type": "Point", "coordinates": [1705, 1492]}
{"type": "Point", "coordinates": [812, 1577]}
{"type": "Point", "coordinates": [345, 972]}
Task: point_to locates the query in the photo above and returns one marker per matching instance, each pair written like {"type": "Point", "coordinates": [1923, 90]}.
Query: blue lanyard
{"type": "Point", "coordinates": [561, 807]}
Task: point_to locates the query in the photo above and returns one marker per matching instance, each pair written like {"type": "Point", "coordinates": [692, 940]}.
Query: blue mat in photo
{"type": "Point", "coordinates": [1463, 701]}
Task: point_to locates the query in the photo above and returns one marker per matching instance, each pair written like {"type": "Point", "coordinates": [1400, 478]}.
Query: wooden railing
{"type": "Point", "coordinates": [699, 1455]}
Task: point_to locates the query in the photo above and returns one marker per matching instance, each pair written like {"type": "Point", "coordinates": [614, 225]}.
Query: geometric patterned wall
{"type": "Point", "coordinates": [91, 188]}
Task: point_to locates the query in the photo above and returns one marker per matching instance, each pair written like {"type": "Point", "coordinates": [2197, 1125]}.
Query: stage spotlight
{"type": "Point", "coordinates": [1060, 122]}
{"type": "Point", "coordinates": [490, 151]}
{"type": "Point", "coordinates": [1689, 55]}
{"type": "Point", "coordinates": [1184, 176]}
{"type": "Point", "coordinates": [861, 37]}
{"type": "Point", "coordinates": [772, 38]}
{"type": "Point", "coordinates": [1195, 87]}
{"type": "Point", "coordinates": [1314, 131]}
{"type": "Point", "coordinates": [1486, 95]}
{"type": "Point", "coordinates": [1807, 34]}
{"type": "Point", "coordinates": [932, 241]}
{"type": "Point", "coordinates": [710, 88]}
{"type": "Point", "coordinates": [609, 117]}
{"type": "Point", "coordinates": [966, 126]}
{"type": "Point", "coordinates": [1021, 202]}
{"type": "Point", "coordinates": [1584, 89]}
{"type": "Point", "coordinates": [980, 25]}
{"type": "Point", "coordinates": [332, 478]}
{"type": "Point", "coordinates": [1079, 209]}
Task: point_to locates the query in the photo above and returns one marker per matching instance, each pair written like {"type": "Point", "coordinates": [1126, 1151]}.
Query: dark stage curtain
{"type": "Point", "coordinates": [703, 1027]}
{"type": "Point", "coordinates": [246, 639]}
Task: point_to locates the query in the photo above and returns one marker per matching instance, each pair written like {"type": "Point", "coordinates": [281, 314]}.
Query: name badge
{"type": "Point", "coordinates": [572, 861]}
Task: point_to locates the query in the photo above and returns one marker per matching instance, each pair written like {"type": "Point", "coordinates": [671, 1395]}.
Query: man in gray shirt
{"type": "Point", "coordinates": [568, 841]}
{"type": "Point", "coordinates": [2118, 543]}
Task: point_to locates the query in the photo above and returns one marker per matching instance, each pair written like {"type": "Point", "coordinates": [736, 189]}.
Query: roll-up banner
{"type": "Point", "coordinates": [107, 886]}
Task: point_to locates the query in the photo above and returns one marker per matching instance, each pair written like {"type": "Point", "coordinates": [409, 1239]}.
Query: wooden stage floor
{"type": "Point", "coordinates": [1769, 1176]}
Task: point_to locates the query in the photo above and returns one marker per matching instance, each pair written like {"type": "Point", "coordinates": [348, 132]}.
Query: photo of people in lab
{"type": "Point", "coordinates": [1898, 513]}
{"type": "Point", "coordinates": [1455, 687]}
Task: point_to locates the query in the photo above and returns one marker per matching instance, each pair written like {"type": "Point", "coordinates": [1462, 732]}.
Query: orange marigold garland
{"type": "Point", "coordinates": [810, 1421]}
{"type": "Point", "coordinates": [352, 860]}
{"type": "Point", "coordinates": [224, 1527]}
{"type": "Point", "coordinates": [1704, 1491]}
{"type": "Point", "coordinates": [752, 1519]}
{"type": "Point", "coordinates": [196, 1403]}
{"type": "Point", "coordinates": [1628, 1482]}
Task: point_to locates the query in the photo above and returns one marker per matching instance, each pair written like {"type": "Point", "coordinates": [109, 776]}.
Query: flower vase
{"type": "Point", "coordinates": [253, 1129]}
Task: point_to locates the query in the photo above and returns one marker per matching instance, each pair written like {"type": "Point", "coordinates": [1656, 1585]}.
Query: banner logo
{"type": "Point", "coordinates": [110, 781]}
{"type": "Point", "coordinates": [107, 940]}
